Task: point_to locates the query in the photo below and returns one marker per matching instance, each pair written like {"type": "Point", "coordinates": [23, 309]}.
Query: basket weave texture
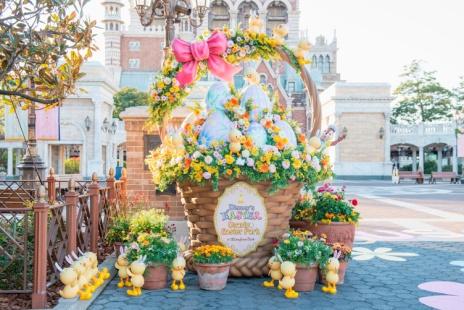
{"type": "Point", "coordinates": [200, 203]}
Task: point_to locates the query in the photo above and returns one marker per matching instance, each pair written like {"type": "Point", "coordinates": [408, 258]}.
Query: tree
{"type": "Point", "coordinates": [43, 44]}
{"type": "Point", "coordinates": [459, 96]}
{"type": "Point", "coordinates": [128, 97]}
{"type": "Point", "coordinates": [421, 98]}
{"type": "Point", "coordinates": [2, 120]}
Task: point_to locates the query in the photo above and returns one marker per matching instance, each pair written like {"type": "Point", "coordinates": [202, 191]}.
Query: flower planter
{"type": "Point", "coordinates": [341, 273]}
{"type": "Point", "coordinates": [200, 203]}
{"type": "Point", "coordinates": [212, 277]}
{"type": "Point", "coordinates": [335, 232]}
{"type": "Point", "coordinates": [156, 277]}
{"type": "Point", "coordinates": [305, 278]}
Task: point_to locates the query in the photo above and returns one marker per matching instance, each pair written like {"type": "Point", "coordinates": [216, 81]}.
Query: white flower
{"type": "Point", "coordinates": [250, 162]}
{"type": "Point", "coordinates": [360, 253]}
{"type": "Point", "coordinates": [308, 158]}
{"type": "Point", "coordinates": [315, 164]}
{"type": "Point", "coordinates": [276, 117]}
{"type": "Point", "coordinates": [272, 168]}
{"type": "Point", "coordinates": [202, 147]}
{"type": "Point", "coordinates": [240, 161]}
{"type": "Point", "coordinates": [230, 43]}
{"type": "Point", "coordinates": [293, 178]}
{"type": "Point", "coordinates": [286, 164]}
{"type": "Point", "coordinates": [297, 130]}
{"type": "Point", "coordinates": [208, 159]}
{"type": "Point", "coordinates": [196, 155]}
{"type": "Point", "coordinates": [164, 98]}
{"type": "Point", "coordinates": [296, 154]}
{"type": "Point", "coordinates": [300, 243]}
{"type": "Point", "coordinates": [246, 153]}
{"type": "Point", "coordinates": [217, 155]}
{"type": "Point", "coordinates": [242, 53]}
{"type": "Point", "coordinates": [167, 81]}
{"type": "Point", "coordinates": [206, 175]}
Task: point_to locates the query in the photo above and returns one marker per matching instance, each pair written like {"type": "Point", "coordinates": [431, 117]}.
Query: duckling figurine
{"type": "Point", "coordinates": [85, 294]}
{"type": "Point", "coordinates": [122, 264]}
{"type": "Point", "coordinates": [135, 271]}
{"type": "Point", "coordinates": [278, 34]}
{"type": "Point", "coordinates": [69, 278]}
{"type": "Point", "coordinates": [274, 272]}
{"type": "Point", "coordinates": [104, 274]}
{"type": "Point", "coordinates": [255, 24]}
{"type": "Point", "coordinates": [288, 270]}
{"type": "Point", "coordinates": [331, 276]}
{"type": "Point", "coordinates": [178, 273]}
{"type": "Point", "coordinates": [79, 269]}
{"type": "Point", "coordinates": [235, 137]}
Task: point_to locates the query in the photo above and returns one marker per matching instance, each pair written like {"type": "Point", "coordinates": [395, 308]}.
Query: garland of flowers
{"type": "Point", "coordinates": [243, 45]}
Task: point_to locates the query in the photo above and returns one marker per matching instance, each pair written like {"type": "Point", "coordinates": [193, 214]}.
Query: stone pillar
{"type": "Point", "coordinates": [387, 139]}
{"type": "Point", "coordinates": [10, 162]}
{"type": "Point", "coordinates": [233, 19]}
{"type": "Point", "coordinates": [414, 159]}
{"type": "Point", "coordinates": [421, 158]}
{"type": "Point", "coordinates": [95, 164]}
{"type": "Point", "coordinates": [455, 159]}
{"type": "Point", "coordinates": [121, 157]}
{"type": "Point", "coordinates": [439, 159]}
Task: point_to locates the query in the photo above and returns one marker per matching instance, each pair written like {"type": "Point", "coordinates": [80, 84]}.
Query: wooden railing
{"type": "Point", "coordinates": [46, 225]}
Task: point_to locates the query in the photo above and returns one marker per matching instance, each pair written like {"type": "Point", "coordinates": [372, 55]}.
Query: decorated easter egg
{"type": "Point", "coordinates": [286, 131]}
{"type": "Point", "coordinates": [216, 128]}
{"type": "Point", "coordinates": [217, 96]}
{"type": "Point", "coordinates": [258, 134]}
{"type": "Point", "coordinates": [315, 142]}
{"type": "Point", "coordinates": [259, 99]}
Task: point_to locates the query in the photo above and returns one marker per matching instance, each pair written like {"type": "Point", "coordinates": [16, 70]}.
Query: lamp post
{"type": "Point", "coordinates": [458, 121]}
{"type": "Point", "coordinates": [171, 11]}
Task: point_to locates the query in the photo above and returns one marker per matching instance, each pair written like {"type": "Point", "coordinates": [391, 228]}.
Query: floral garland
{"type": "Point", "coordinates": [184, 159]}
{"type": "Point", "coordinates": [243, 45]}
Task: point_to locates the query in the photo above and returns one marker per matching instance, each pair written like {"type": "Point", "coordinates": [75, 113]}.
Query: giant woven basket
{"type": "Point", "coordinates": [200, 204]}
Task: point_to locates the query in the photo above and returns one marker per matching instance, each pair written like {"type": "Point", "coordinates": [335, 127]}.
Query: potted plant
{"type": "Point", "coordinates": [345, 257]}
{"type": "Point", "coordinates": [118, 233]}
{"type": "Point", "coordinates": [307, 253]}
{"type": "Point", "coordinates": [159, 252]}
{"type": "Point", "coordinates": [212, 263]}
{"type": "Point", "coordinates": [327, 212]}
{"type": "Point", "coordinates": [148, 222]}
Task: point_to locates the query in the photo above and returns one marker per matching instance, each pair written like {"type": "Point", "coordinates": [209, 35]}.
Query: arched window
{"type": "Point", "coordinates": [270, 88]}
{"type": "Point", "coordinates": [314, 62]}
{"type": "Point", "coordinates": [117, 27]}
{"type": "Point", "coordinates": [276, 14]}
{"type": "Point", "coordinates": [245, 9]}
{"type": "Point", "coordinates": [218, 15]}
{"type": "Point", "coordinates": [320, 63]}
{"type": "Point", "coordinates": [262, 78]}
{"type": "Point", "coordinates": [327, 64]}
{"type": "Point", "coordinates": [111, 26]}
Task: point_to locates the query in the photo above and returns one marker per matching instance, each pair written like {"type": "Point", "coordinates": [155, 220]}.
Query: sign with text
{"type": "Point", "coordinates": [240, 218]}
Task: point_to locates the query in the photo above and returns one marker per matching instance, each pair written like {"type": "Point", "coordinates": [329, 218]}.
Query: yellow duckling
{"type": "Point", "coordinates": [288, 270]}
{"type": "Point", "coordinates": [69, 278]}
{"type": "Point", "coordinates": [104, 274]}
{"type": "Point", "coordinates": [178, 273]}
{"type": "Point", "coordinates": [235, 137]}
{"type": "Point", "coordinates": [331, 276]}
{"type": "Point", "coordinates": [122, 264]}
{"type": "Point", "coordinates": [252, 77]}
{"type": "Point", "coordinates": [135, 271]}
{"type": "Point", "coordinates": [304, 45]}
{"type": "Point", "coordinates": [278, 34]}
{"type": "Point", "coordinates": [255, 24]}
{"type": "Point", "coordinates": [85, 294]}
{"type": "Point", "coordinates": [79, 269]}
{"type": "Point", "coordinates": [274, 272]}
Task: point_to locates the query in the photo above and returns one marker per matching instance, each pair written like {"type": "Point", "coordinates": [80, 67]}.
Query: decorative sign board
{"type": "Point", "coordinates": [240, 218]}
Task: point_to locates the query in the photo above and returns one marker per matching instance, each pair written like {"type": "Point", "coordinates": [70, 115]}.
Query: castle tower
{"type": "Point", "coordinates": [323, 57]}
{"type": "Point", "coordinates": [113, 28]}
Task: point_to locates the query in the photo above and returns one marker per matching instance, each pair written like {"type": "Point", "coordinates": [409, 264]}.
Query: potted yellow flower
{"type": "Point", "coordinates": [212, 263]}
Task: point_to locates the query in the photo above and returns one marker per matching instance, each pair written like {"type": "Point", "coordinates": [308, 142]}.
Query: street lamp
{"type": "Point", "coordinates": [171, 11]}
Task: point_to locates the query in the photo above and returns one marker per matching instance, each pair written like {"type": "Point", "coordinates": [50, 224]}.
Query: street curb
{"type": "Point", "coordinates": [76, 303]}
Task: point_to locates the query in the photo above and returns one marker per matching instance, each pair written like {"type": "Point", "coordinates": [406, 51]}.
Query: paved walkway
{"type": "Point", "coordinates": [381, 276]}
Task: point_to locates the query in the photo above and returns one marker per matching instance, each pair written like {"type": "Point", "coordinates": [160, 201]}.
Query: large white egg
{"type": "Point", "coordinates": [286, 131]}
{"type": "Point", "coordinates": [216, 128]}
{"type": "Point", "coordinates": [217, 96]}
{"type": "Point", "coordinates": [259, 99]}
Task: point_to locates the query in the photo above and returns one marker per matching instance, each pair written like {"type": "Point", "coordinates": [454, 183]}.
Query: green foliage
{"type": "Point", "coordinates": [128, 97]}
{"type": "Point", "coordinates": [2, 120]}
{"type": "Point", "coordinates": [430, 166]}
{"type": "Point", "coordinates": [155, 248]}
{"type": "Point", "coordinates": [43, 44]}
{"type": "Point", "coordinates": [213, 254]}
{"type": "Point", "coordinates": [421, 98]}
{"type": "Point", "coordinates": [12, 270]}
{"type": "Point", "coordinates": [302, 250]}
{"type": "Point", "coordinates": [72, 166]}
{"type": "Point", "coordinates": [148, 221]}
{"type": "Point", "coordinates": [119, 230]}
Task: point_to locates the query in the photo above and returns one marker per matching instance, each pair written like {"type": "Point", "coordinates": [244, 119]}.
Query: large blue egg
{"type": "Point", "coordinates": [217, 96]}
{"type": "Point", "coordinates": [216, 128]}
{"type": "Point", "coordinates": [258, 134]}
{"type": "Point", "coordinates": [259, 99]}
{"type": "Point", "coordinates": [286, 131]}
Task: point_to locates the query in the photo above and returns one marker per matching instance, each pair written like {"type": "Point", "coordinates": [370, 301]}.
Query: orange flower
{"type": "Point", "coordinates": [301, 138]}
{"type": "Point", "coordinates": [280, 142]}
{"type": "Point", "coordinates": [263, 167]}
{"type": "Point", "coordinates": [229, 172]}
{"type": "Point", "coordinates": [188, 161]}
{"type": "Point", "coordinates": [268, 124]}
{"type": "Point", "coordinates": [247, 142]}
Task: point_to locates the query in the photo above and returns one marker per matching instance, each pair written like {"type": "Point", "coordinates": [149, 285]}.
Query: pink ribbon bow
{"type": "Point", "coordinates": [190, 54]}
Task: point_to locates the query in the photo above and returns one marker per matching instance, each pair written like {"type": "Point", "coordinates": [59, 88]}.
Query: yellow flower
{"type": "Point", "coordinates": [296, 163]}
{"type": "Point", "coordinates": [254, 151]}
{"type": "Point", "coordinates": [229, 159]}
{"type": "Point", "coordinates": [160, 84]}
{"type": "Point", "coordinates": [286, 241]}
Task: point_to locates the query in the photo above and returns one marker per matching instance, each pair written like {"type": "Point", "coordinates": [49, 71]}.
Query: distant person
{"type": "Point", "coordinates": [395, 173]}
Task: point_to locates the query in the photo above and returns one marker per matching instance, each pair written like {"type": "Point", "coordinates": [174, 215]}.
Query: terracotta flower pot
{"type": "Point", "coordinates": [335, 232]}
{"type": "Point", "coordinates": [156, 277]}
{"type": "Point", "coordinates": [341, 273]}
{"type": "Point", "coordinates": [212, 277]}
{"type": "Point", "coordinates": [305, 278]}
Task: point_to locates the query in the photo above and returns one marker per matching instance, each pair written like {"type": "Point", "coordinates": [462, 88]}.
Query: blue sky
{"type": "Point", "coordinates": [376, 38]}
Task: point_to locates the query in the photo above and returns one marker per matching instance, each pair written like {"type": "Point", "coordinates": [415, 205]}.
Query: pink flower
{"type": "Point", "coordinates": [452, 297]}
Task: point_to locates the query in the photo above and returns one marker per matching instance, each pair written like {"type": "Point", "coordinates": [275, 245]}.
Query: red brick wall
{"type": "Point", "coordinates": [150, 53]}
{"type": "Point", "coordinates": [300, 116]}
{"type": "Point", "coordinates": [140, 186]}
